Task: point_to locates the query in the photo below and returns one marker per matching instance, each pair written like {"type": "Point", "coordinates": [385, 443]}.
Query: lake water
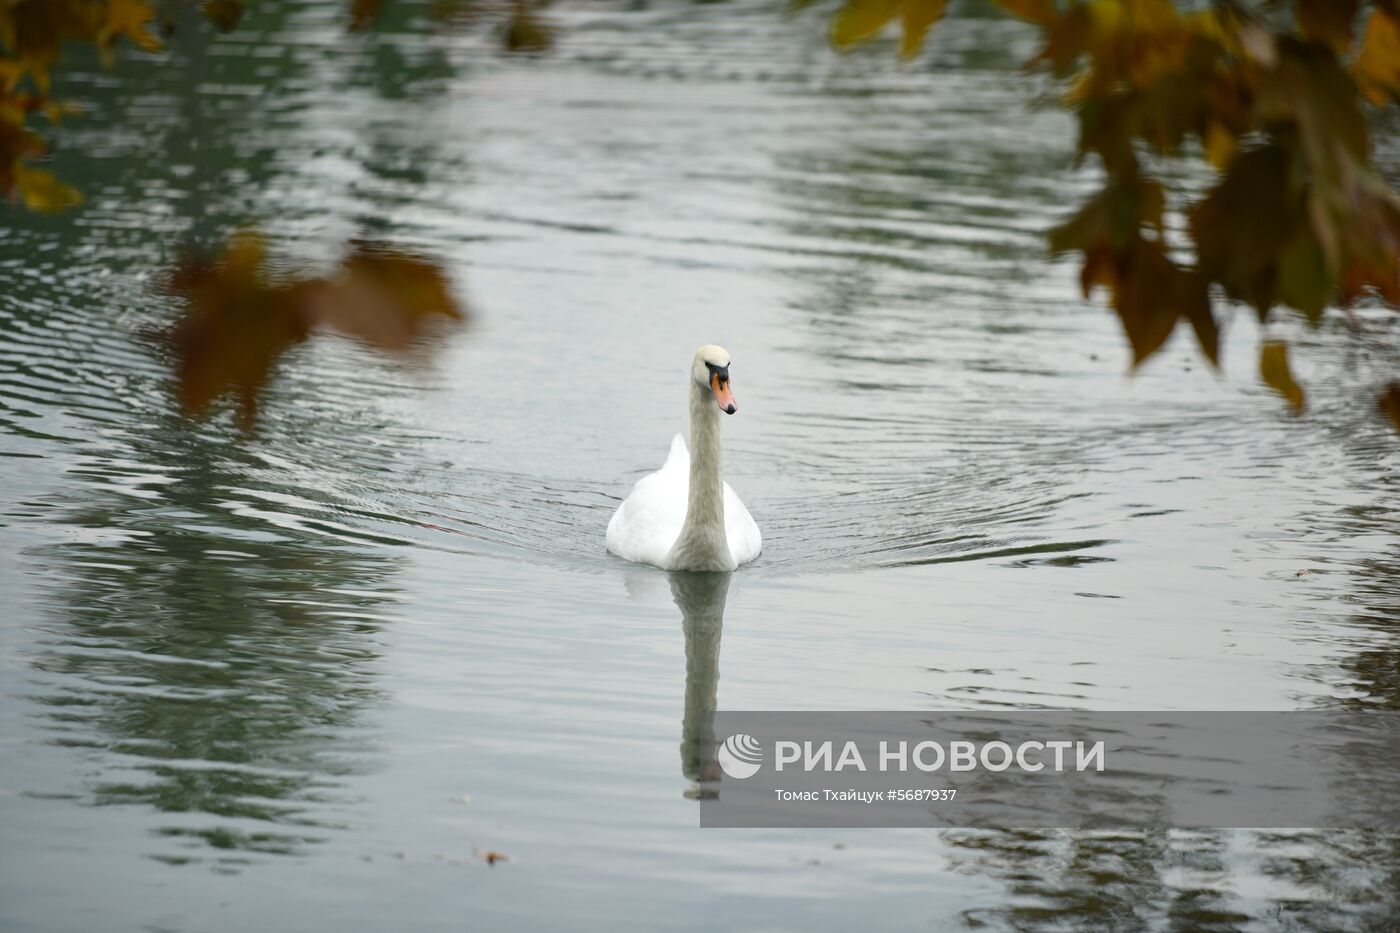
{"type": "Point", "coordinates": [301, 681]}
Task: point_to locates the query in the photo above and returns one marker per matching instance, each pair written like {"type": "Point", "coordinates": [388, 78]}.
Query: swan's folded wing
{"type": "Point", "coordinates": [649, 520]}
{"type": "Point", "coordinates": [745, 540]}
{"type": "Point", "coordinates": [678, 458]}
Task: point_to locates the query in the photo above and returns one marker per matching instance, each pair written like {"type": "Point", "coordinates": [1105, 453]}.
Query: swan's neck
{"type": "Point", "coordinates": [706, 503]}
{"type": "Point", "coordinates": [702, 544]}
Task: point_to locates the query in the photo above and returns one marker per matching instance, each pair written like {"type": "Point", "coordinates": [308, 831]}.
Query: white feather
{"type": "Point", "coordinates": [645, 527]}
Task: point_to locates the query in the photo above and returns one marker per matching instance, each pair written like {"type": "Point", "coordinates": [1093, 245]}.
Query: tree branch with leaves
{"type": "Point", "coordinates": [1276, 98]}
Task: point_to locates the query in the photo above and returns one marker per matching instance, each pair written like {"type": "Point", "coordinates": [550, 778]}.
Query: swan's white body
{"type": "Point", "coordinates": [685, 516]}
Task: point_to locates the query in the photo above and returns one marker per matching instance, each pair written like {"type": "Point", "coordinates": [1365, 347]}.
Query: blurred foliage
{"type": "Point", "coordinates": [33, 32]}
{"type": "Point", "coordinates": [239, 321]}
{"type": "Point", "coordinates": [31, 35]}
{"type": "Point", "coordinates": [1274, 97]}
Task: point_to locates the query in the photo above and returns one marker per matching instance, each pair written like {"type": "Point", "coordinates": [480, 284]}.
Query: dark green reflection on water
{"type": "Point", "coordinates": [222, 664]}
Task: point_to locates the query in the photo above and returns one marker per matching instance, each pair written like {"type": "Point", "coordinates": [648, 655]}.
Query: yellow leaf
{"type": "Point", "coordinates": [1219, 145]}
{"type": "Point", "coordinates": [43, 192]}
{"type": "Point", "coordinates": [1037, 11]}
{"type": "Point", "coordinates": [918, 16]}
{"type": "Point", "coordinates": [56, 111]}
{"type": "Point", "coordinates": [128, 18]}
{"type": "Point", "coordinates": [1273, 368]}
{"type": "Point", "coordinates": [1377, 68]}
{"type": "Point", "coordinates": [10, 73]}
{"type": "Point", "coordinates": [861, 19]}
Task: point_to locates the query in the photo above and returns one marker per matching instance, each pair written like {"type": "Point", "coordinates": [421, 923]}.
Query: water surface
{"type": "Point", "coordinates": [297, 680]}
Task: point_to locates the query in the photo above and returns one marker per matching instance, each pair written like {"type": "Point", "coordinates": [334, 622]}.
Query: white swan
{"type": "Point", "coordinates": [684, 516]}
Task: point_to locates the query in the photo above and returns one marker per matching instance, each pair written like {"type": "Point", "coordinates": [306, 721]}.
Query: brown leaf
{"type": "Point", "coordinates": [385, 298]}
{"type": "Point", "coordinates": [1151, 296]}
{"type": "Point", "coordinates": [224, 14]}
{"type": "Point", "coordinates": [1304, 281]}
{"type": "Point", "coordinates": [1219, 144]}
{"type": "Point", "coordinates": [1244, 223]}
{"type": "Point", "coordinates": [1327, 21]}
{"type": "Point", "coordinates": [1036, 11]}
{"type": "Point", "coordinates": [237, 324]}
{"type": "Point", "coordinates": [128, 18]}
{"type": "Point", "coordinates": [1193, 292]}
{"type": "Point", "coordinates": [363, 12]}
{"type": "Point", "coordinates": [235, 328]}
{"type": "Point", "coordinates": [1310, 90]}
{"type": "Point", "coordinates": [861, 19]}
{"type": "Point", "coordinates": [1273, 369]}
{"type": "Point", "coordinates": [491, 857]}
{"type": "Point", "coordinates": [1113, 218]}
{"type": "Point", "coordinates": [526, 32]}
{"type": "Point", "coordinates": [1390, 403]}
{"type": "Point", "coordinates": [1377, 68]}
{"type": "Point", "coordinates": [42, 191]}
{"type": "Point", "coordinates": [917, 17]}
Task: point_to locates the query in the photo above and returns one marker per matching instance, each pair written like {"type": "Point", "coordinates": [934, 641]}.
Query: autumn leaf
{"type": "Point", "coordinates": [1149, 291]}
{"type": "Point", "coordinates": [42, 191]}
{"type": "Point", "coordinates": [918, 16]}
{"type": "Point", "coordinates": [526, 32]}
{"type": "Point", "coordinates": [11, 70]}
{"type": "Point", "coordinates": [363, 12]}
{"type": "Point", "coordinates": [1219, 144]}
{"type": "Point", "coordinates": [861, 19]}
{"type": "Point", "coordinates": [1327, 21]}
{"type": "Point", "coordinates": [1273, 369]}
{"type": "Point", "coordinates": [1036, 11]}
{"type": "Point", "coordinates": [1390, 404]}
{"type": "Point", "coordinates": [386, 298]}
{"type": "Point", "coordinates": [1242, 226]}
{"type": "Point", "coordinates": [238, 324]}
{"type": "Point", "coordinates": [127, 18]}
{"type": "Point", "coordinates": [1377, 67]}
{"type": "Point", "coordinates": [1304, 280]}
{"type": "Point", "coordinates": [224, 14]}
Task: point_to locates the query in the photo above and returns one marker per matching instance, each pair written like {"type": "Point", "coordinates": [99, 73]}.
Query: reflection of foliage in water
{"type": "Point", "coordinates": [1181, 879]}
{"type": "Point", "coordinates": [225, 663]}
{"type": "Point", "coordinates": [238, 323]}
{"type": "Point", "coordinates": [210, 634]}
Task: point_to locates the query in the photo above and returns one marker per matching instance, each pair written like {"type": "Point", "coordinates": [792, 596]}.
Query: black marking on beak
{"type": "Point", "coordinates": [719, 372]}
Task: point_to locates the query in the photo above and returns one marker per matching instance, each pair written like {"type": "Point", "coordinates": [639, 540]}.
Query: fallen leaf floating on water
{"type": "Point", "coordinates": [491, 857]}
{"type": "Point", "coordinates": [238, 321]}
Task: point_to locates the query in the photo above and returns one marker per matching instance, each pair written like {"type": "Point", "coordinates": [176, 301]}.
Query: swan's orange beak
{"type": "Point", "coordinates": [723, 397]}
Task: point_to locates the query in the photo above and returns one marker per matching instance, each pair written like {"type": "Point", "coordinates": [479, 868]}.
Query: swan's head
{"type": "Point", "coordinates": [711, 370]}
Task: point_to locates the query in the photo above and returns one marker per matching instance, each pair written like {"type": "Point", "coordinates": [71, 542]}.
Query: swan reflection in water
{"type": "Point", "coordinates": [700, 598]}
